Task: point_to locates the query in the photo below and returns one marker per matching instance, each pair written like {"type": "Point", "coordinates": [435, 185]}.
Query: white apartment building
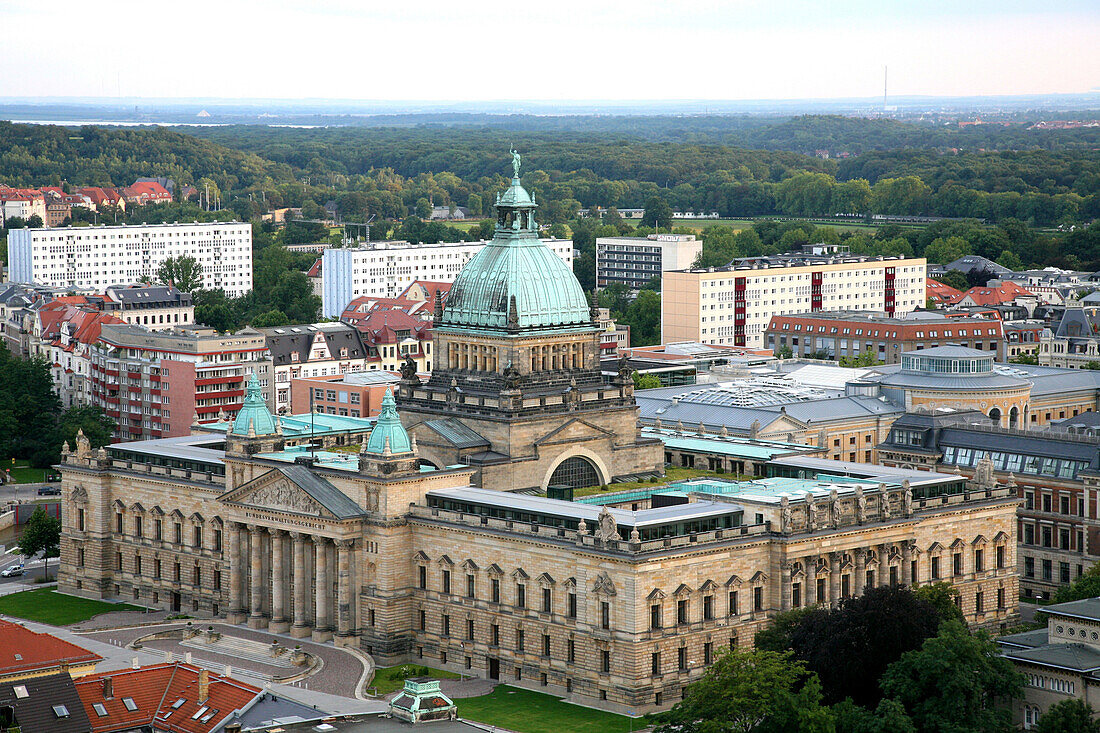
{"type": "Point", "coordinates": [733, 305]}
{"type": "Point", "coordinates": [385, 269]}
{"type": "Point", "coordinates": [634, 261]}
{"type": "Point", "coordinates": [98, 257]}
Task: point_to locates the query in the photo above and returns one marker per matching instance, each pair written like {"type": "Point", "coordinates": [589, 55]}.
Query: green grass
{"type": "Point", "coordinates": [26, 475]}
{"type": "Point", "coordinates": [47, 606]}
{"type": "Point", "coordinates": [392, 679]}
{"type": "Point", "coordinates": [671, 474]}
{"type": "Point", "coordinates": [525, 711]}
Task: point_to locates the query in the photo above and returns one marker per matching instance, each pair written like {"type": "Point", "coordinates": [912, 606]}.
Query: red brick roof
{"type": "Point", "coordinates": [23, 650]}
{"type": "Point", "coordinates": [941, 293]}
{"type": "Point", "coordinates": [155, 692]}
{"type": "Point", "coordinates": [1006, 292]}
{"type": "Point", "coordinates": [431, 287]}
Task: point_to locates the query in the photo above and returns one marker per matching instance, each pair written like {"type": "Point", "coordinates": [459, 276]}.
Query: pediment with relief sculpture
{"type": "Point", "coordinates": [278, 490]}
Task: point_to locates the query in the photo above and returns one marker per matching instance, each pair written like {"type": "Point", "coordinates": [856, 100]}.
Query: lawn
{"type": "Point", "coordinates": [671, 474]}
{"type": "Point", "coordinates": [47, 606]}
{"type": "Point", "coordinates": [525, 711]}
{"type": "Point", "coordinates": [24, 474]}
{"type": "Point", "coordinates": [392, 679]}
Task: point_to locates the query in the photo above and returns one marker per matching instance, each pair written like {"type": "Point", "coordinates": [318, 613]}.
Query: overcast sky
{"type": "Point", "coordinates": [547, 49]}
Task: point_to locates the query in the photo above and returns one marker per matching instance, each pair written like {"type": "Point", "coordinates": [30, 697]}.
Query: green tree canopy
{"type": "Point", "coordinates": [1068, 716]}
{"type": "Point", "coordinates": [1085, 585]}
{"type": "Point", "coordinates": [956, 681]}
{"type": "Point", "coordinates": [750, 692]}
{"type": "Point", "coordinates": [658, 214]}
{"type": "Point", "coordinates": [42, 533]}
{"type": "Point", "coordinates": [183, 272]}
{"type": "Point", "coordinates": [954, 279]}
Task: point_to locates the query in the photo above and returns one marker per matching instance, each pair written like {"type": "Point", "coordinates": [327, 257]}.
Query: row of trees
{"type": "Point", "coordinates": [33, 424]}
{"type": "Point", "coordinates": [890, 661]}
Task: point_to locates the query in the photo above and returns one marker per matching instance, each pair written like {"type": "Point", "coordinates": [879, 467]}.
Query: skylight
{"type": "Point", "coordinates": [21, 691]}
{"type": "Point", "coordinates": [179, 703]}
{"type": "Point", "coordinates": [100, 710]}
{"type": "Point", "coordinates": [61, 711]}
{"type": "Point", "coordinates": [198, 714]}
{"type": "Point", "coordinates": [129, 703]}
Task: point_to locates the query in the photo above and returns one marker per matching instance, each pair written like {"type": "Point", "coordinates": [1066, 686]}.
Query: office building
{"type": "Point", "coordinates": [734, 304]}
{"type": "Point", "coordinates": [635, 261]}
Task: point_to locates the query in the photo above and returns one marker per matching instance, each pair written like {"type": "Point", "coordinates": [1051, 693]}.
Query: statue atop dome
{"type": "Point", "coordinates": [515, 162]}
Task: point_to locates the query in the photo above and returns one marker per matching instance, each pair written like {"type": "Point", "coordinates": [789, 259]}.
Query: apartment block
{"type": "Point", "coordinates": [102, 256]}
{"type": "Point", "coordinates": [635, 261]}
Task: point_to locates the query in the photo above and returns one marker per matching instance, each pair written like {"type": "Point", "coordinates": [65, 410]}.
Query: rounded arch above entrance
{"type": "Point", "coordinates": [577, 469]}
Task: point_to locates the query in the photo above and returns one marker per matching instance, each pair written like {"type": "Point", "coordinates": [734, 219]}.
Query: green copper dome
{"type": "Point", "coordinates": [516, 281]}
{"type": "Point", "coordinates": [388, 430]}
{"type": "Point", "coordinates": [254, 414]}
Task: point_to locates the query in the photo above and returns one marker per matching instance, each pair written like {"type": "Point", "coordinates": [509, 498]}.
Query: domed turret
{"type": "Point", "coordinates": [254, 418]}
{"type": "Point", "coordinates": [516, 282]}
{"type": "Point", "coordinates": [388, 436]}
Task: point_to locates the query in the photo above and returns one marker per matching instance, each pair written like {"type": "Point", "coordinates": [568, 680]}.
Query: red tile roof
{"type": "Point", "coordinates": [155, 692]}
{"type": "Point", "coordinates": [23, 650]}
{"type": "Point", "coordinates": [1006, 292]}
{"type": "Point", "coordinates": [315, 270]}
{"type": "Point", "coordinates": [431, 287]}
{"type": "Point", "coordinates": [364, 306]}
{"type": "Point", "coordinates": [941, 293]}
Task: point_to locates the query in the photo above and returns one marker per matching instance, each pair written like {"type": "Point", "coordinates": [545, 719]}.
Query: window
{"type": "Point", "coordinates": [979, 561]}
{"type": "Point", "coordinates": [708, 608]}
{"type": "Point", "coordinates": [572, 609]}
{"type": "Point", "coordinates": [469, 629]}
{"type": "Point", "coordinates": [708, 652]}
{"type": "Point", "coordinates": [1029, 567]}
{"type": "Point", "coordinates": [655, 616]}
{"type": "Point", "coordinates": [682, 659]}
{"type": "Point", "coordinates": [655, 664]}
{"type": "Point", "coordinates": [521, 595]}
{"type": "Point", "coordinates": [957, 563]}
{"type": "Point", "coordinates": [495, 635]}
{"type": "Point", "coordinates": [423, 579]}
{"type": "Point", "coordinates": [682, 611]}
{"type": "Point", "coordinates": [605, 661]}
{"type": "Point", "coordinates": [1000, 556]}
{"type": "Point", "coordinates": [571, 651]}
{"type": "Point", "coordinates": [546, 604]}
{"type": "Point", "coordinates": [605, 615]}
{"type": "Point", "coordinates": [758, 599]}
{"type": "Point", "coordinates": [979, 602]}
{"type": "Point", "coordinates": [196, 536]}
{"type": "Point", "coordinates": [519, 640]}
{"type": "Point", "coordinates": [469, 586]}
{"type": "Point", "coordinates": [733, 603]}
{"type": "Point", "coordinates": [495, 587]}
{"type": "Point", "coordinates": [1000, 599]}
{"type": "Point", "coordinates": [446, 625]}
{"type": "Point", "coordinates": [130, 704]}
{"type": "Point", "coordinates": [546, 645]}
{"type": "Point", "coordinates": [118, 522]}
{"type": "Point", "coordinates": [447, 581]}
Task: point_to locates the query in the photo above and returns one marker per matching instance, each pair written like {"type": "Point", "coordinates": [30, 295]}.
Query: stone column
{"type": "Point", "coordinates": [300, 629]}
{"type": "Point", "coordinates": [279, 623]}
{"type": "Point", "coordinates": [809, 564]}
{"type": "Point", "coordinates": [256, 618]}
{"type": "Point", "coordinates": [785, 586]}
{"type": "Point", "coordinates": [907, 578]}
{"type": "Point", "coordinates": [236, 602]}
{"type": "Point", "coordinates": [344, 620]}
{"type": "Point", "coordinates": [322, 626]}
{"type": "Point", "coordinates": [836, 560]}
{"type": "Point", "coordinates": [861, 572]}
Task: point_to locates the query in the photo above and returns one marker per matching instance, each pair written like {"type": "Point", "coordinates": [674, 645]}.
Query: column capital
{"type": "Point", "coordinates": [860, 553]}
{"type": "Point", "coordinates": [345, 544]}
{"type": "Point", "coordinates": [254, 529]}
{"type": "Point", "coordinates": [319, 539]}
{"type": "Point", "coordinates": [276, 532]}
{"type": "Point", "coordinates": [302, 537]}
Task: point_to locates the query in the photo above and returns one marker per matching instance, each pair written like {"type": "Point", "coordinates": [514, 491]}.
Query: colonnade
{"type": "Point", "coordinates": [851, 564]}
{"type": "Point", "coordinates": [311, 581]}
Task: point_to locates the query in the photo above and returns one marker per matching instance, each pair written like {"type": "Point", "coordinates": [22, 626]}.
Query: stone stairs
{"type": "Point", "coordinates": [233, 646]}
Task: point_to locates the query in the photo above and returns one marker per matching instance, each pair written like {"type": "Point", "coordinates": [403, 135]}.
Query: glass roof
{"type": "Point", "coordinates": [759, 393]}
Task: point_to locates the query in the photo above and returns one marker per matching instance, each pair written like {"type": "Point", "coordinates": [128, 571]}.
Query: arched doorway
{"type": "Point", "coordinates": [1014, 417]}
{"type": "Point", "coordinates": [995, 415]}
{"type": "Point", "coordinates": [576, 472]}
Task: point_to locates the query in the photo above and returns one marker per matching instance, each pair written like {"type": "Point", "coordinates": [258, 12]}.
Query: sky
{"type": "Point", "coordinates": [538, 50]}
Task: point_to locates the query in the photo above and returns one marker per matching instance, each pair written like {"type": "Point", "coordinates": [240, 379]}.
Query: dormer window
{"type": "Point", "coordinates": [294, 356]}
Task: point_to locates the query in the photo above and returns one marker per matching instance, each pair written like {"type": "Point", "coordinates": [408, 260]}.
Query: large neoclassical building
{"type": "Point", "coordinates": [620, 599]}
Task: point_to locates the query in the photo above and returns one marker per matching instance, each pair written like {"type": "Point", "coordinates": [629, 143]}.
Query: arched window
{"type": "Point", "coordinates": [995, 415]}
{"type": "Point", "coordinates": [1014, 417]}
{"type": "Point", "coordinates": [576, 472]}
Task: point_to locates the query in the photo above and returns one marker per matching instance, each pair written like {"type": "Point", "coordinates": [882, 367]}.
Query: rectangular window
{"type": "Point", "coordinates": [495, 588]}
{"type": "Point", "coordinates": [447, 581]}
{"type": "Point", "coordinates": [546, 597]}
{"type": "Point", "coordinates": [1048, 570]}
{"type": "Point", "coordinates": [546, 645]}
{"type": "Point", "coordinates": [217, 540]}
{"type": "Point", "coordinates": [572, 610]}
{"type": "Point", "coordinates": [519, 640]}
{"type": "Point", "coordinates": [137, 526]}
{"type": "Point", "coordinates": [733, 603]}
{"type": "Point", "coordinates": [655, 664]}
{"type": "Point", "coordinates": [605, 615]}
{"type": "Point", "coordinates": [796, 595]}
{"type": "Point", "coordinates": [957, 563]}
{"type": "Point", "coordinates": [682, 659]}
{"type": "Point", "coordinates": [605, 661]}
{"type": "Point", "coordinates": [521, 595]}
{"type": "Point", "coordinates": [178, 533]}
{"type": "Point", "coordinates": [469, 586]}
{"type": "Point", "coordinates": [1000, 599]}
{"type": "Point", "coordinates": [571, 651]}
{"type": "Point", "coordinates": [1063, 572]}
{"type": "Point", "coordinates": [118, 523]}
{"type": "Point", "coordinates": [979, 561]}
{"type": "Point", "coordinates": [158, 529]}
{"type": "Point", "coordinates": [979, 602]}
{"type": "Point", "coordinates": [196, 537]}
{"type": "Point", "coordinates": [682, 612]}
{"type": "Point", "coordinates": [1000, 556]}
{"type": "Point", "coordinates": [422, 580]}
{"type": "Point", "coordinates": [655, 616]}
{"type": "Point", "coordinates": [446, 625]}
{"type": "Point", "coordinates": [1029, 567]}
{"type": "Point", "coordinates": [708, 653]}
{"type": "Point", "coordinates": [469, 629]}
{"type": "Point", "coordinates": [758, 598]}
{"type": "Point", "coordinates": [495, 635]}
{"type": "Point", "coordinates": [708, 608]}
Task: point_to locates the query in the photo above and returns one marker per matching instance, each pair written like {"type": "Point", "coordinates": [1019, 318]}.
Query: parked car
{"type": "Point", "coordinates": [13, 571]}
{"type": "Point", "coordinates": [49, 491]}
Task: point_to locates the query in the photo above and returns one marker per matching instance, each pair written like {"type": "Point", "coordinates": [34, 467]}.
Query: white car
{"type": "Point", "coordinates": [11, 572]}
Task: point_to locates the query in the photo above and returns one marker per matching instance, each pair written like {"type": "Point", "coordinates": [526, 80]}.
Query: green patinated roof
{"type": "Point", "coordinates": [516, 264]}
{"type": "Point", "coordinates": [254, 413]}
{"type": "Point", "coordinates": [388, 430]}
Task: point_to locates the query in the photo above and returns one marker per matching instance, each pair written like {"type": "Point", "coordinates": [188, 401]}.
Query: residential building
{"type": "Point", "coordinates": [154, 383]}
{"type": "Point", "coordinates": [385, 269]}
{"type": "Point", "coordinates": [65, 334]}
{"type": "Point", "coordinates": [838, 334]}
{"type": "Point", "coordinates": [46, 704]}
{"type": "Point", "coordinates": [157, 307]}
{"type": "Point", "coordinates": [635, 261]}
{"type": "Point", "coordinates": [968, 264]}
{"type": "Point", "coordinates": [22, 203]}
{"type": "Point", "coordinates": [591, 600]}
{"type": "Point", "coordinates": [1074, 343]}
{"type": "Point", "coordinates": [319, 349]}
{"type": "Point", "coordinates": [103, 198]}
{"type": "Point", "coordinates": [734, 304]}
{"type": "Point", "coordinates": [941, 295]}
{"type": "Point", "coordinates": [25, 654]}
{"type": "Point", "coordinates": [146, 192]}
{"type": "Point", "coordinates": [363, 307]}
{"type": "Point", "coordinates": [1056, 474]}
{"type": "Point", "coordinates": [1004, 293]}
{"type": "Point", "coordinates": [1059, 661]}
{"type": "Point", "coordinates": [426, 291]}
{"type": "Point", "coordinates": [355, 394]}
{"type": "Point", "coordinates": [392, 338]}
{"type": "Point", "coordinates": [102, 256]}
{"type": "Point", "coordinates": [1022, 337]}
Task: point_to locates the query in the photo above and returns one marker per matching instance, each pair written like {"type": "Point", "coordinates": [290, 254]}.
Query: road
{"type": "Point", "coordinates": [23, 492]}
{"type": "Point", "coordinates": [34, 569]}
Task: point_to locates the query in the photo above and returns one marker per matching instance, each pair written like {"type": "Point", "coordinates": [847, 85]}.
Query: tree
{"type": "Point", "coordinates": [97, 426]}
{"type": "Point", "coordinates": [1068, 716]}
{"type": "Point", "coordinates": [1085, 585]}
{"type": "Point", "coordinates": [645, 381]}
{"type": "Point", "coordinates": [658, 214]}
{"type": "Point", "coordinates": [956, 681]}
{"type": "Point", "coordinates": [954, 279]}
{"type": "Point", "coordinates": [946, 250]}
{"type": "Point", "coordinates": [184, 272]}
{"type": "Point", "coordinates": [270, 319]}
{"type": "Point", "coordinates": [34, 221]}
{"type": "Point", "coordinates": [644, 318]}
{"type": "Point", "coordinates": [423, 208]}
{"type": "Point", "coordinates": [749, 692]}
{"type": "Point", "coordinates": [864, 359]}
{"type": "Point", "coordinates": [888, 717]}
{"type": "Point", "coordinates": [850, 646]}
{"type": "Point", "coordinates": [784, 352]}
{"type": "Point", "coordinates": [1024, 358]}
{"type": "Point", "coordinates": [42, 533]}
{"type": "Point", "coordinates": [942, 596]}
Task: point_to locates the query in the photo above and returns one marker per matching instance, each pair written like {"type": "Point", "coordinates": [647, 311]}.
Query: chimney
{"type": "Point", "coordinates": [204, 685]}
{"type": "Point", "coordinates": [108, 688]}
